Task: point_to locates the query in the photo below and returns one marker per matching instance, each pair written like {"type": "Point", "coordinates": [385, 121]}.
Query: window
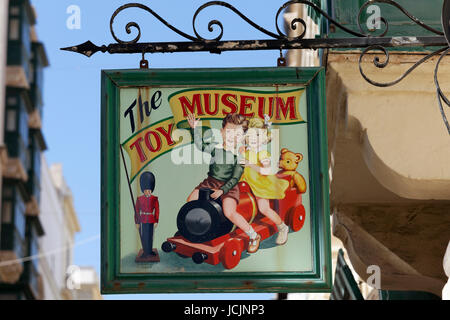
{"type": "Point", "coordinates": [34, 247]}
{"type": "Point", "coordinates": [39, 75]}
{"type": "Point", "coordinates": [11, 101]}
{"type": "Point", "coordinates": [11, 120]}
{"type": "Point", "coordinates": [19, 215]}
{"type": "Point", "coordinates": [7, 211]}
{"type": "Point", "coordinates": [23, 153]}
{"type": "Point", "coordinates": [34, 157]}
{"type": "Point", "coordinates": [13, 219]}
{"type": "Point", "coordinates": [7, 203]}
{"type": "Point", "coordinates": [26, 36]}
{"type": "Point", "coordinates": [14, 10]}
{"type": "Point", "coordinates": [31, 71]}
{"type": "Point", "coordinates": [30, 164]}
{"type": "Point", "coordinates": [23, 122]}
{"type": "Point", "coordinates": [19, 245]}
{"type": "Point", "coordinates": [37, 164]}
{"type": "Point", "coordinates": [37, 159]}
{"type": "Point", "coordinates": [25, 62]}
{"type": "Point", "coordinates": [14, 29]}
{"type": "Point", "coordinates": [37, 189]}
{"type": "Point", "coordinates": [8, 191]}
{"type": "Point", "coordinates": [39, 78]}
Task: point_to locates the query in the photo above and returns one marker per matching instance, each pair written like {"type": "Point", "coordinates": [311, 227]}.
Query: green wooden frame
{"type": "Point", "coordinates": [319, 280]}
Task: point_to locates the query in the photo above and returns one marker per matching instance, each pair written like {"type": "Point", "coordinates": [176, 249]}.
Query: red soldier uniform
{"type": "Point", "coordinates": [147, 210]}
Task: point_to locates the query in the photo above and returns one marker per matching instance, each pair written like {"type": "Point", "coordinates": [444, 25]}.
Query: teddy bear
{"type": "Point", "coordinates": [288, 164]}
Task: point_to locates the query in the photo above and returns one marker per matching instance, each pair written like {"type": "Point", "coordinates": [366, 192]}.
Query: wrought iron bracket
{"type": "Point", "coordinates": [88, 48]}
{"type": "Point", "coordinates": [279, 40]}
{"type": "Point", "coordinates": [282, 41]}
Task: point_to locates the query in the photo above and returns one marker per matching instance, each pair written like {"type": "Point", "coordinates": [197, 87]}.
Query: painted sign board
{"type": "Point", "coordinates": [214, 180]}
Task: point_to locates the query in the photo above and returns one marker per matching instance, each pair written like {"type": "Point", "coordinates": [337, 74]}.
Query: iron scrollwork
{"type": "Point", "coordinates": [198, 38]}
{"type": "Point", "coordinates": [278, 39]}
{"type": "Point", "coordinates": [376, 60]}
{"type": "Point", "coordinates": [367, 41]}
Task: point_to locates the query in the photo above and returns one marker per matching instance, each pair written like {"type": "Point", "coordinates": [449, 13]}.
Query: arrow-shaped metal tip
{"type": "Point", "coordinates": [87, 49]}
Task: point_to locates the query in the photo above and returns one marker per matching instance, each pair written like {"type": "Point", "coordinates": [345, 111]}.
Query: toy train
{"type": "Point", "coordinates": [206, 235]}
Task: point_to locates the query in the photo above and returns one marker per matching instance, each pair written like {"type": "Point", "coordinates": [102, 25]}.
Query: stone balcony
{"type": "Point", "coordinates": [389, 154]}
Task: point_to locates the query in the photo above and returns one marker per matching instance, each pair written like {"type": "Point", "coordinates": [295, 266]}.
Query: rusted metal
{"type": "Point", "coordinates": [281, 61]}
{"type": "Point", "coordinates": [143, 64]}
{"type": "Point", "coordinates": [88, 48]}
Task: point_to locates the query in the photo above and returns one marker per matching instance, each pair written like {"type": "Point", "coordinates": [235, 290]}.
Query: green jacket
{"type": "Point", "coordinates": [224, 164]}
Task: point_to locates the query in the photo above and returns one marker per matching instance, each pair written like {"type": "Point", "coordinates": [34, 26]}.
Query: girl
{"type": "Point", "coordinates": [258, 174]}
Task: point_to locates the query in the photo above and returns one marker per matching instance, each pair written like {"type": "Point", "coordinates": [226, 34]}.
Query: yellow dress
{"type": "Point", "coordinates": [263, 186]}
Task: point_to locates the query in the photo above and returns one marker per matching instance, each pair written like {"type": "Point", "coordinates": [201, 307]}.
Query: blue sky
{"type": "Point", "coordinates": [72, 88]}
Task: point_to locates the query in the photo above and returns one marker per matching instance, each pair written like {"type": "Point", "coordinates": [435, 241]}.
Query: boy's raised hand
{"type": "Point", "coordinates": [192, 121]}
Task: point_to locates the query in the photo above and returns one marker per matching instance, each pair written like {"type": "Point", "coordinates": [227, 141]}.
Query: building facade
{"type": "Point", "coordinates": [38, 220]}
{"type": "Point", "coordinates": [24, 143]}
{"type": "Point", "coordinates": [388, 151]}
{"type": "Point", "coordinates": [59, 216]}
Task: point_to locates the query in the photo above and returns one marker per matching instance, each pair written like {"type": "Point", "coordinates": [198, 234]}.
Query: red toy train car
{"type": "Point", "coordinates": [206, 235]}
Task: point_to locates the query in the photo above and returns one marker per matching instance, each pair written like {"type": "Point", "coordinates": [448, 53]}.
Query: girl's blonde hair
{"type": "Point", "coordinates": [259, 123]}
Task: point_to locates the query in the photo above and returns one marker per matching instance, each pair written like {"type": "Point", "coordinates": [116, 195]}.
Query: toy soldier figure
{"type": "Point", "coordinates": [146, 217]}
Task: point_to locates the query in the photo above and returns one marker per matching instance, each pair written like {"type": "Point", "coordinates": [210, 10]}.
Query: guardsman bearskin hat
{"type": "Point", "coordinates": [147, 181]}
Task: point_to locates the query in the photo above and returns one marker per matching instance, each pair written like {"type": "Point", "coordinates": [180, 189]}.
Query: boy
{"type": "Point", "coordinates": [225, 170]}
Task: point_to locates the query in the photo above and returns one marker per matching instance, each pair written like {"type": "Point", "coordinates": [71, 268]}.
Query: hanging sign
{"type": "Point", "coordinates": [214, 180]}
